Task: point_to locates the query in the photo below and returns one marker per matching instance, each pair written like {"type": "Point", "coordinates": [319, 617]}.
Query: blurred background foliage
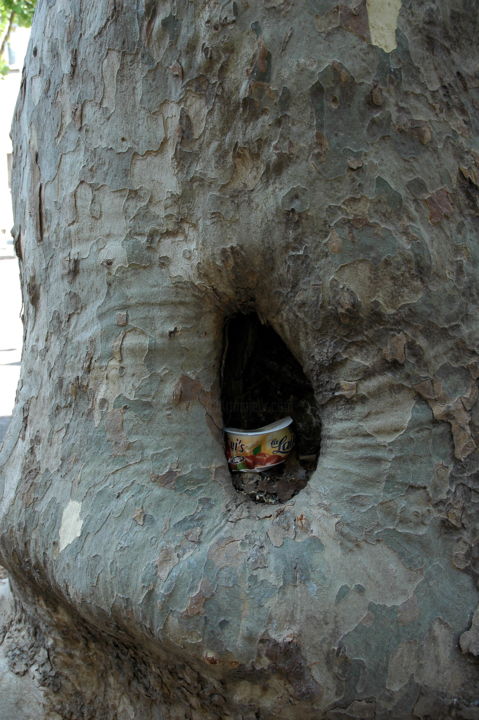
{"type": "Point", "coordinates": [13, 13]}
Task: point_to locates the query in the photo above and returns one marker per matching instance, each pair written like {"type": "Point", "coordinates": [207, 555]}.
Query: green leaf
{"type": "Point", "coordinates": [23, 10]}
{"type": "Point", "coordinates": [257, 450]}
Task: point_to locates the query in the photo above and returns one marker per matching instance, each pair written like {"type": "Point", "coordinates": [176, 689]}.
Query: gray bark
{"type": "Point", "coordinates": [179, 162]}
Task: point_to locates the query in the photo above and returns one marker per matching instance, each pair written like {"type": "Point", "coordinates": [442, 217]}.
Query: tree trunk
{"type": "Point", "coordinates": [313, 165]}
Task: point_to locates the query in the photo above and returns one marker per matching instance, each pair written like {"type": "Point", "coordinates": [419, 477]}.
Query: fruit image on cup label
{"type": "Point", "coordinates": [260, 449]}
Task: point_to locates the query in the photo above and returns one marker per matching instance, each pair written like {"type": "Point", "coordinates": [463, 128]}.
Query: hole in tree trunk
{"type": "Point", "coordinates": [261, 382]}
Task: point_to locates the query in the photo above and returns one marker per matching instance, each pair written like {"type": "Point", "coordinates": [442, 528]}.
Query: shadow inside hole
{"type": "Point", "coordinates": [261, 382]}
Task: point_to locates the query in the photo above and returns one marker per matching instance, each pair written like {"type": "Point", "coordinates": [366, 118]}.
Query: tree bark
{"type": "Point", "coordinates": [176, 164]}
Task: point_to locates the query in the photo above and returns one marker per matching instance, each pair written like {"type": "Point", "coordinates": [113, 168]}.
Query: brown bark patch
{"type": "Point", "coordinates": [355, 20]}
{"type": "Point", "coordinates": [352, 19]}
{"type": "Point", "coordinates": [286, 660]}
{"type": "Point", "coordinates": [396, 349]}
{"type": "Point", "coordinates": [197, 602]}
{"type": "Point", "coordinates": [115, 431]}
{"type": "Point", "coordinates": [439, 205]}
{"type": "Point", "coordinates": [166, 479]}
{"type": "Point", "coordinates": [186, 389]}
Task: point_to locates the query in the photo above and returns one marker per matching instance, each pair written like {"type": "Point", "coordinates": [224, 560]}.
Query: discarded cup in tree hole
{"type": "Point", "coordinates": [260, 449]}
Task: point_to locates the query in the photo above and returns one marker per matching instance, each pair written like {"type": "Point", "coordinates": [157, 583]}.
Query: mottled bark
{"type": "Point", "coordinates": [180, 162]}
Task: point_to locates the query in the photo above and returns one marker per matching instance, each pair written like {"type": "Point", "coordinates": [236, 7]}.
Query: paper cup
{"type": "Point", "coordinates": [260, 449]}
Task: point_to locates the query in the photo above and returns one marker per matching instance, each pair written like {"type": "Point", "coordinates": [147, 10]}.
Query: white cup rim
{"type": "Point", "coordinates": [278, 425]}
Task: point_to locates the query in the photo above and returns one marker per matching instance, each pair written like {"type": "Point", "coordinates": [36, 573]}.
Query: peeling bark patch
{"type": "Point", "coordinates": [469, 641]}
{"type": "Point", "coordinates": [383, 21]}
{"type": "Point", "coordinates": [393, 283]}
{"type": "Point", "coordinates": [33, 291]}
{"type": "Point", "coordinates": [166, 479]}
{"type": "Point", "coordinates": [139, 516]}
{"type": "Point", "coordinates": [196, 602]}
{"type": "Point", "coordinates": [396, 349]}
{"type": "Point", "coordinates": [439, 206]}
{"type": "Point", "coordinates": [286, 659]}
{"type": "Point", "coordinates": [186, 389]}
{"type": "Point", "coordinates": [115, 430]}
{"type": "Point", "coordinates": [262, 68]}
{"type": "Point", "coordinates": [353, 20]}
{"type": "Point", "coordinates": [71, 524]}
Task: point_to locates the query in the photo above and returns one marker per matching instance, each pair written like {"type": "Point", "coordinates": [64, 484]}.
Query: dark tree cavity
{"type": "Point", "coordinates": [262, 381]}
